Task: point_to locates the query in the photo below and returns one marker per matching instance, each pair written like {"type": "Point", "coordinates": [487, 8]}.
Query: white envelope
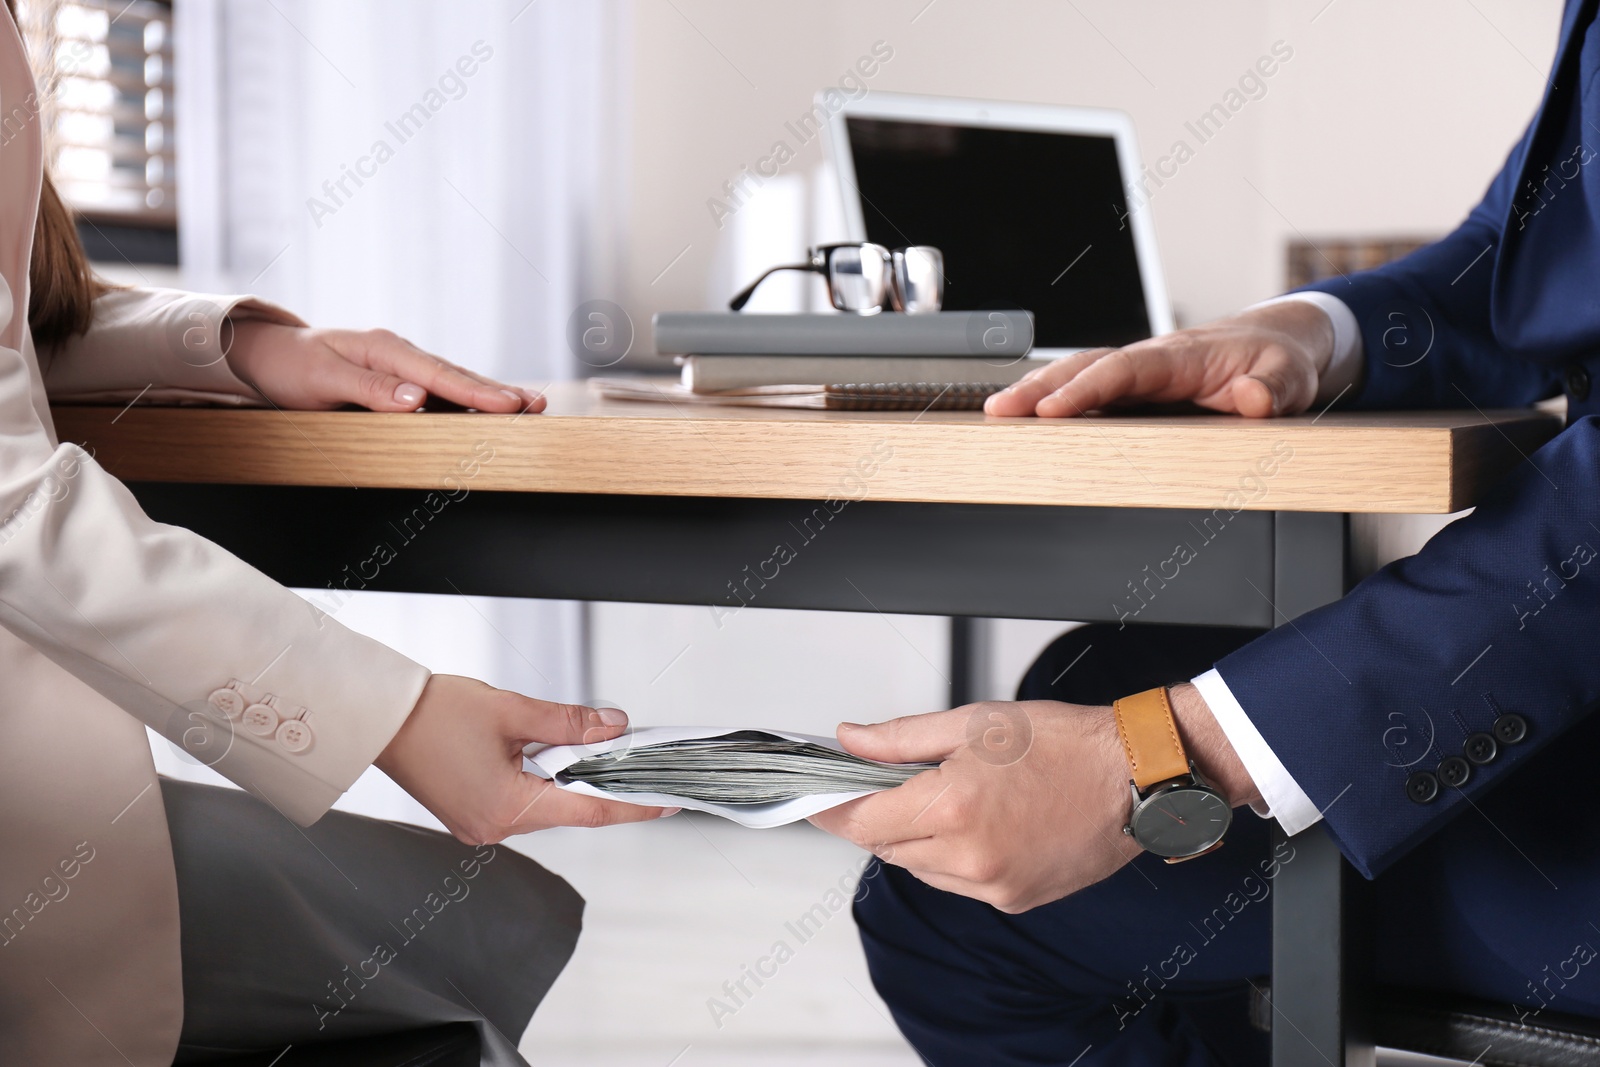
{"type": "Point", "coordinates": [548, 761]}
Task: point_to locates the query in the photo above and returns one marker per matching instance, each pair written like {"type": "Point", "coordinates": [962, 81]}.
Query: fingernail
{"type": "Point", "coordinates": [408, 394]}
{"type": "Point", "coordinates": [514, 396]}
{"type": "Point", "coordinates": [666, 812]}
{"type": "Point", "coordinates": [851, 726]}
{"type": "Point", "coordinates": [613, 717]}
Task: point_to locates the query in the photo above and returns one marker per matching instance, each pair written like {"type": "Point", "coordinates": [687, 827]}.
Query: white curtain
{"type": "Point", "coordinates": [454, 171]}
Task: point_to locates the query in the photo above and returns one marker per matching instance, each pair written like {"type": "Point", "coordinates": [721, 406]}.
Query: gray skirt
{"type": "Point", "coordinates": [353, 927]}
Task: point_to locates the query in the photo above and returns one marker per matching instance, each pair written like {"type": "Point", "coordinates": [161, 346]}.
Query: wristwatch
{"type": "Point", "coordinates": [1176, 813]}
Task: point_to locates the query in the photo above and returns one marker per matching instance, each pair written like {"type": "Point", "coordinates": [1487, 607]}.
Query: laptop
{"type": "Point", "coordinates": [1033, 206]}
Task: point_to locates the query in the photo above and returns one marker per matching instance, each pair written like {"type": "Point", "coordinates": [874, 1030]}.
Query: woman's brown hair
{"type": "Point", "coordinates": [63, 287]}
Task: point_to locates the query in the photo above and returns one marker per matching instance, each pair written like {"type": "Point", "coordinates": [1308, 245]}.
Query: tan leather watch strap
{"type": "Point", "coordinates": [1150, 738]}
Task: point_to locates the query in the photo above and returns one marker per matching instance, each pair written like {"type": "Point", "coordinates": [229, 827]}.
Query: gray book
{"type": "Point", "coordinates": [717, 374]}
{"type": "Point", "coordinates": [945, 333]}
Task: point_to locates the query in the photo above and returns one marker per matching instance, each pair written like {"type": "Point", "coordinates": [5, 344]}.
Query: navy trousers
{"type": "Point", "coordinates": [1154, 965]}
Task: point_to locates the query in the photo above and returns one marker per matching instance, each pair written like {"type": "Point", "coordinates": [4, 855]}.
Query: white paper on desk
{"type": "Point", "coordinates": [548, 762]}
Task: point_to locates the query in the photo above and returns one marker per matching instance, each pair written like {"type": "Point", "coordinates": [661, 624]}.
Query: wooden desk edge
{"type": "Point", "coordinates": [1442, 468]}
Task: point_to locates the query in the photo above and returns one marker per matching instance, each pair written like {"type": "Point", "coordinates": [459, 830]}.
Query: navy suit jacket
{"type": "Point", "coordinates": [1500, 612]}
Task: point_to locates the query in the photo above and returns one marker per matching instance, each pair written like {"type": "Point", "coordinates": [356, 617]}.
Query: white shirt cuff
{"type": "Point", "coordinates": [1345, 365]}
{"type": "Point", "coordinates": [1281, 796]}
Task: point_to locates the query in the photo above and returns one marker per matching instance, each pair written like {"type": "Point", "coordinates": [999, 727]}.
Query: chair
{"type": "Point", "coordinates": [450, 1045]}
{"type": "Point", "coordinates": [1323, 1010]}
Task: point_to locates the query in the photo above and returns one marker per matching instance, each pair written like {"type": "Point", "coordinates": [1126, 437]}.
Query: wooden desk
{"type": "Point", "coordinates": [942, 513]}
{"type": "Point", "coordinates": [1435, 462]}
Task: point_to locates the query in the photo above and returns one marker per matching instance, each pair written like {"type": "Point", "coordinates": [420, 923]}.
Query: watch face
{"type": "Point", "coordinates": [1180, 821]}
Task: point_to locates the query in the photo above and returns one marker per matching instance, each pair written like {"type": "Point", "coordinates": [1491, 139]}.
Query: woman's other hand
{"type": "Point", "coordinates": [309, 369]}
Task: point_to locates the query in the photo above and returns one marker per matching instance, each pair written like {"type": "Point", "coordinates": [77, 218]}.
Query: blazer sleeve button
{"type": "Point", "coordinates": [1454, 771]}
{"type": "Point", "coordinates": [230, 702]}
{"type": "Point", "coordinates": [261, 720]}
{"type": "Point", "coordinates": [1422, 787]}
{"type": "Point", "coordinates": [1482, 748]}
{"type": "Point", "coordinates": [1577, 381]}
{"type": "Point", "coordinates": [295, 736]}
{"type": "Point", "coordinates": [1510, 728]}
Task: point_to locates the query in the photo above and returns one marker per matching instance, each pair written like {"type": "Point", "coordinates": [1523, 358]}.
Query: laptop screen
{"type": "Point", "coordinates": [1025, 218]}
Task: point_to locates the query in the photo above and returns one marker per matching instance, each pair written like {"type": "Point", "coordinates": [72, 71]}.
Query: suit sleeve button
{"type": "Point", "coordinates": [295, 735]}
{"type": "Point", "coordinates": [1482, 748]}
{"type": "Point", "coordinates": [261, 720]}
{"type": "Point", "coordinates": [1422, 787]}
{"type": "Point", "coordinates": [1577, 381]}
{"type": "Point", "coordinates": [1454, 771]}
{"type": "Point", "coordinates": [1510, 728]}
{"type": "Point", "coordinates": [228, 701]}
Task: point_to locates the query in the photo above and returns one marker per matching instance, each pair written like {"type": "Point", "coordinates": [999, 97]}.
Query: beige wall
{"type": "Point", "coordinates": [1389, 117]}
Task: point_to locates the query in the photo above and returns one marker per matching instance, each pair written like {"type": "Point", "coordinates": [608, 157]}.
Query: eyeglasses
{"type": "Point", "coordinates": [865, 278]}
{"type": "Point", "coordinates": [918, 279]}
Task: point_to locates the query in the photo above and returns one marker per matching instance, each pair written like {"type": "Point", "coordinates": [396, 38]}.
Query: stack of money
{"type": "Point", "coordinates": [747, 767]}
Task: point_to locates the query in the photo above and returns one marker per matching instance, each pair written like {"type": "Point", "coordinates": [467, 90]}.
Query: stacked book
{"type": "Point", "coordinates": [948, 359]}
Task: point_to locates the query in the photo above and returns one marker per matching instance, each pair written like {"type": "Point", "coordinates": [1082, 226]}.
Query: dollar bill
{"type": "Point", "coordinates": [745, 767]}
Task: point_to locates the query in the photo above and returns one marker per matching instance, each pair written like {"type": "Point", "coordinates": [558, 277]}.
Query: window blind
{"type": "Point", "coordinates": [105, 68]}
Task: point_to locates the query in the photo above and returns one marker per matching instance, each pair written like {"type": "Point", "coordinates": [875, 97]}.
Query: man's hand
{"type": "Point", "coordinates": [1257, 363]}
{"type": "Point", "coordinates": [1029, 801]}
{"type": "Point", "coordinates": [460, 754]}
{"type": "Point", "coordinates": [315, 370]}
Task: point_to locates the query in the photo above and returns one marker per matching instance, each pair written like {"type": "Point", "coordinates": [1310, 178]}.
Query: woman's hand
{"type": "Point", "coordinates": [1258, 363]}
{"type": "Point", "coordinates": [460, 754]}
{"type": "Point", "coordinates": [314, 370]}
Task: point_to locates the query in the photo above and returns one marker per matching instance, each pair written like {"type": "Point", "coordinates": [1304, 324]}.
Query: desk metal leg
{"type": "Point", "coordinates": [1318, 1015]}
{"type": "Point", "coordinates": [969, 659]}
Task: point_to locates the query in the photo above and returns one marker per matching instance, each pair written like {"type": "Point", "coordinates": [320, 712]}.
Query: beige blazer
{"type": "Point", "coordinates": [110, 622]}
